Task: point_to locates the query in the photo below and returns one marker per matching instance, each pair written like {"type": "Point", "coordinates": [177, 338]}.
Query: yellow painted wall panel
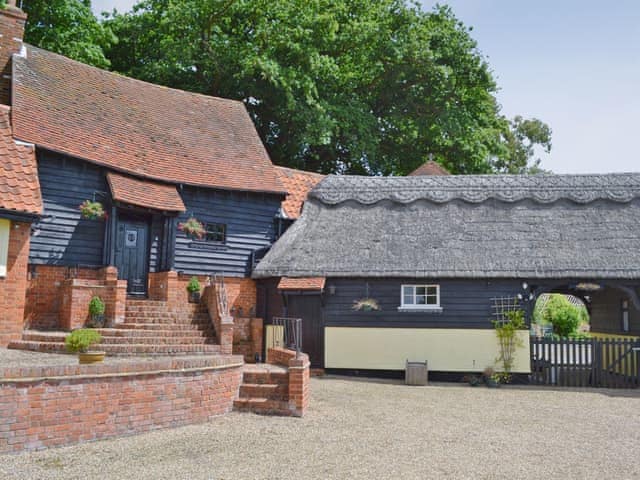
{"type": "Point", "coordinates": [449, 350]}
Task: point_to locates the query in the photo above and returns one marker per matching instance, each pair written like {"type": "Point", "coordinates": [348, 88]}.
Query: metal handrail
{"type": "Point", "coordinates": [291, 333]}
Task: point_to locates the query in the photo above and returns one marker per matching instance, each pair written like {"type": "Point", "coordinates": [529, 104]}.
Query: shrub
{"type": "Point", "coordinates": [80, 340]}
{"type": "Point", "coordinates": [193, 285]}
{"type": "Point", "coordinates": [564, 316]}
{"type": "Point", "coordinates": [96, 306]}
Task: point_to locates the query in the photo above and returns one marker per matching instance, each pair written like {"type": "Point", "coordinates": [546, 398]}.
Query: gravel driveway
{"type": "Point", "coordinates": [379, 429]}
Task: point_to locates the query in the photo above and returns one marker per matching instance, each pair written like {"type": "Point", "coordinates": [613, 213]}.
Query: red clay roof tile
{"type": "Point", "coordinates": [137, 127]}
{"type": "Point", "coordinates": [144, 193]}
{"type": "Point", "coordinates": [19, 186]}
{"type": "Point", "coordinates": [430, 168]}
{"type": "Point", "coordinates": [306, 283]}
{"type": "Point", "coordinates": [298, 183]}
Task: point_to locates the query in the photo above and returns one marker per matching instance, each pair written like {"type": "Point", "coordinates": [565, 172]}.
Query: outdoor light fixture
{"type": "Point", "coordinates": [332, 289]}
{"type": "Point", "coordinates": [525, 285]}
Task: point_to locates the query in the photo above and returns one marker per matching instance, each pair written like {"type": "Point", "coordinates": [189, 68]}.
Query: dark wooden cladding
{"type": "Point", "coordinates": [465, 303]}
{"type": "Point", "coordinates": [63, 237]}
{"type": "Point", "coordinates": [249, 219]}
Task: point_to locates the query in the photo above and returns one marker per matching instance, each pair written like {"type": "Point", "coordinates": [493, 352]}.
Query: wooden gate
{"type": "Point", "coordinates": [595, 362]}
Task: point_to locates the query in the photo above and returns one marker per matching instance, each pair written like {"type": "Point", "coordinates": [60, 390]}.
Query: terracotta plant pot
{"type": "Point", "coordinates": [86, 358]}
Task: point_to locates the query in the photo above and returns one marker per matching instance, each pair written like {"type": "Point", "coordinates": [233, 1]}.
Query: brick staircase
{"type": "Point", "coordinates": [150, 328]}
{"type": "Point", "coordinates": [264, 390]}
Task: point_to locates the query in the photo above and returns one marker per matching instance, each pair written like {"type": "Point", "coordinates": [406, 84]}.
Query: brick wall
{"type": "Point", "coordinates": [247, 337]}
{"type": "Point", "coordinates": [58, 297]}
{"type": "Point", "coordinates": [76, 295]}
{"type": "Point", "coordinates": [42, 407]}
{"type": "Point", "coordinates": [44, 293]}
{"type": "Point", "coordinates": [12, 21]}
{"type": "Point", "coordinates": [13, 286]}
{"type": "Point", "coordinates": [299, 377]}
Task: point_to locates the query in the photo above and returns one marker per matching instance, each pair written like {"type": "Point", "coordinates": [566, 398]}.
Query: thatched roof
{"type": "Point", "coordinates": [473, 226]}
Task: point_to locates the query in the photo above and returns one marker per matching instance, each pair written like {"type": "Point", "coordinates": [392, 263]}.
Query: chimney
{"type": "Point", "coordinates": [12, 21]}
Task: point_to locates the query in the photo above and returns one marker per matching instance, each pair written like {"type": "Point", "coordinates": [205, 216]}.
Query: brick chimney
{"type": "Point", "coordinates": [12, 21]}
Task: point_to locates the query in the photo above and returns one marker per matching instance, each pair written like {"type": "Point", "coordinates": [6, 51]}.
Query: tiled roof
{"type": "Point", "coordinates": [298, 183]}
{"type": "Point", "coordinates": [144, 193]}
{"type": "Point", "coordinates": [136, 127]}
{"type": "Point", "coordinates": [430, 168]}
{"type": "Point", "coordinates": [305, 283]}
{"type": "Point", "coordinates": [19, 186]}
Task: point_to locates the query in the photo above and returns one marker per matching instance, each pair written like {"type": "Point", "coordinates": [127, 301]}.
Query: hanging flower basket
{"type": "Point", "coordinates": [192, 227]}
{"type": "Point", "coordinates": [92, 210]}
{"type": "Point", "coordinates": [366, 305]}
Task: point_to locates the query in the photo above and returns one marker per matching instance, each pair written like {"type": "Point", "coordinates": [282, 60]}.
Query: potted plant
{"type": "Point", "coordinates": [193, 287]}
{"type": "Point", "coordinates": [192, 227]}
{"type": "Point", "coordinates": [473, 380]}
{"type": "Point", "coordinates": [92, 210]}
{"type": "Point", "coordinates": [491, 378]}
{"type": "Point", "coordinates": [79, 342]}
{"type": "Point", "coordinates": [366, 305]}
{"type": "Point", "coordinates": [96, 310]}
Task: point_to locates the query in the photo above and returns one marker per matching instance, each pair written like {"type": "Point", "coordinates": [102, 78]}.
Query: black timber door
{"type": "Point", "coordinates": [309, 309]}
{"type": "Point", "coordinates": [132, 254]}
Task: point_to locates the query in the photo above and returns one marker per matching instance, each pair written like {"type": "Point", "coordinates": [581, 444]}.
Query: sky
{"type": "Point", "coordinates": [574, 64]}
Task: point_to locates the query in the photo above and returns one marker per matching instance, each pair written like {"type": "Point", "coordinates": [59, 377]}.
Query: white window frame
{"type": "Point", "coordinates": [412, 307]}
{"type": "Point", "coordinates": [5, 231]}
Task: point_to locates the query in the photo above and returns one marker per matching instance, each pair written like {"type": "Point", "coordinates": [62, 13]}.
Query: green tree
{"type": "Point", "coordinates": [349, 86]}
{"type": "Point", "coordinates": [564, 316]}
{"type": "Point", "coordinates": [68, 27]}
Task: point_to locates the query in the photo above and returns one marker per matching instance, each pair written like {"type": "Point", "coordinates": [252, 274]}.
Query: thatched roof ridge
{"type": "Point", "coordinates": [560, 226]}
{"type": "Point", "coordinates": [618, 187]}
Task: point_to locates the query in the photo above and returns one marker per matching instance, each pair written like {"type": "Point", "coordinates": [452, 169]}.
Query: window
{"type": "Point", "coordinates": [215, 232]}
{"type": "Point", "coordinates": [5, 227]}
{"type": "Point", "coordinates": [420, 297]}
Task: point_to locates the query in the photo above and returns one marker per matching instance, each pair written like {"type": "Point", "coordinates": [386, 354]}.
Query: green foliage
{"type": "Point", "coordinates": [348, 86]}
{"type": "Point", "coordinates": [193, 285]}
{"type": "Point", "coordinates": [96, 306]}
{"type": "Point", "coordinates": [80, 340]}
{"type": "Point", "coordinates": [564, 316]}
{"type": "Point", "coordinates": [68, 27]}
{"type": "Point", "coordinates": [508, 341]}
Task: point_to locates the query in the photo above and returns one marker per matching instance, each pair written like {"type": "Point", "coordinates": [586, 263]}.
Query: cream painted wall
{"type": "Point", "coordinates": [448, 350]}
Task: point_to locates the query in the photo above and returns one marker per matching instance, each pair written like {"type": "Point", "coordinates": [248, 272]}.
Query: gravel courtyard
{"type": "Point", "coordinates": [379, 429]}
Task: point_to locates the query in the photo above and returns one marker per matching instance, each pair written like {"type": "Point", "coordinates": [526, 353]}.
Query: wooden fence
{"type": "Point", "coordinates": [594, 362]}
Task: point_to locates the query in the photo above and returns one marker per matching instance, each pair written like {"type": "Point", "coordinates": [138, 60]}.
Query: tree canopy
{"type": "Point", "coordinates": [68, 27]}
{"type": "Point", "coordinates": [349, 86]}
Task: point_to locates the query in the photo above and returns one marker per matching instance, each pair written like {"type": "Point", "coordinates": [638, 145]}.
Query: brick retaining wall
{"type": "Point", "coordinates": [299, 377]}
{"type": "Point", "coordinates": [42, 407]}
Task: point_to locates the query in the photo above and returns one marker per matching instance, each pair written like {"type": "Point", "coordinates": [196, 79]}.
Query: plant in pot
{"type": "Point", "coordinates": [366, 305]}
{"type": "Point", "coordinates": [92, 210]}
{"type": "Point", "coordinates": [79, 341]}
{"type": "Point", "coordinates": [193, 287]}
{"type": "Point", "coordinates": [192, 228]}
{"type": "Point", "coordinates": [96, 310]}
{"type": "Point", "coordinates": [491, 378]}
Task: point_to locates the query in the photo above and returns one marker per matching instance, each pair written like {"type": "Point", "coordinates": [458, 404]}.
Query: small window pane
{"type": "Point", "coordinates": [407, 290]}
{"type": "Point", "coordinates": [421, 300]}
{"type": "Point", "coordinates": [408, 300]}
{"type": "Point", "coordinates": [432, 299]}
{"type": "Point", "coordinates": [421, 290]}
{"type": "Point", "coordinates": [432, 290]}
{"type": "Point", "coordinates": [215, 232]}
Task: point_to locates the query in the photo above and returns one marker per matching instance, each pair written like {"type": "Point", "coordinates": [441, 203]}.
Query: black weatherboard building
{"type": "Point", "coordinates": [439, 254]}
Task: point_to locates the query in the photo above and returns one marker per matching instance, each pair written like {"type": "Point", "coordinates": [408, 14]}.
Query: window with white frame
{"type": "Point", "coordinates": [5, 227]}
{"type": "Point", "coordinates": [420, 297]}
